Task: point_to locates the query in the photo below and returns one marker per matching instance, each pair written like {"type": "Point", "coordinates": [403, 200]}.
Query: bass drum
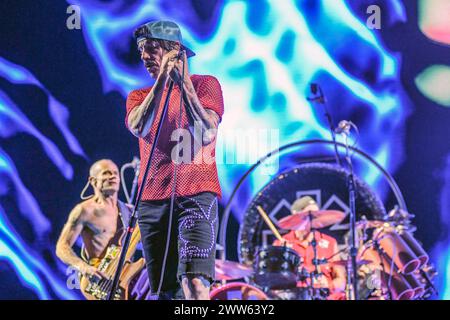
{"type": "Point", "coordinates": [326, 183]}
{"type": "Point", "coordinates": [237, 291]}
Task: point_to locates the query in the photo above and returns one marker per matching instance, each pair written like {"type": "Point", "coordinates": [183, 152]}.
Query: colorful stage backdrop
{"type": "Point", "coordinates": [385, 65]}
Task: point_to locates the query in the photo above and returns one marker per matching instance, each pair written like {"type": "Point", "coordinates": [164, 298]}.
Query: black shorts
{"type": "Point", "coordinates": [192, 247]}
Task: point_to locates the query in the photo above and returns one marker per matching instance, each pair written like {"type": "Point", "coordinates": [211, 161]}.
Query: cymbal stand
{"type": "Point", "coordinates": [352, 202]}
{"type": "Point", "coordinates": [315, 260]}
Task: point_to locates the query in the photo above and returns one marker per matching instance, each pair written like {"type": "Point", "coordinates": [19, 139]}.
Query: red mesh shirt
{"type": "Point", "coordinates": [194, 177]}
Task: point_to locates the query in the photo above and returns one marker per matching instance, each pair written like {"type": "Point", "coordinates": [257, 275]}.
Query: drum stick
{"type": "Point", "coordinates": [270, 224]}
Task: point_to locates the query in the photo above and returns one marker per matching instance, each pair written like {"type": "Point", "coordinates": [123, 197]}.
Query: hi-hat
{"type": "Point", "coordinates": [316, 219]}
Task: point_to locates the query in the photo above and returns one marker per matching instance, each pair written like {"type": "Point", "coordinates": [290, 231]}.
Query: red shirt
{"type": "Point", "coordinates": [195, 176]}
{"type": "Point", "coordinates": [326, 247]}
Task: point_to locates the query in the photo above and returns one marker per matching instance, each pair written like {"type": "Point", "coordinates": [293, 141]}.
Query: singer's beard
{"type": "Point", "coordinates": [153, 71]}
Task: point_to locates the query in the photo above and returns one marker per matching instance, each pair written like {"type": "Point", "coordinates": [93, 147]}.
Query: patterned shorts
{"type": "Point", "coordinates": [193, 238]}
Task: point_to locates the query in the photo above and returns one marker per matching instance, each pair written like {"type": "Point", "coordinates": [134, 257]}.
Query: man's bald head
{"type": "Point", "coordinates": [100, 165]}
{"type": "Point", "coordinates": [104, 177]}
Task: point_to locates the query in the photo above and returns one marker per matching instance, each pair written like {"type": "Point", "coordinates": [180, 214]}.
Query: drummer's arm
{"type": "Point", "coordinates": [339, 278]}
{"type": "Point", "coordinates": [279, 243]}
{"type": "Point", "coordinates": [339, 273]}
{"type": "Point", "coordinates": [276, 243]}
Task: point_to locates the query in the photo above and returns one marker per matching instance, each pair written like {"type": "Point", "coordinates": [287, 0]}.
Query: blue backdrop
{"type": "Point", "coordinates": [62, 106]}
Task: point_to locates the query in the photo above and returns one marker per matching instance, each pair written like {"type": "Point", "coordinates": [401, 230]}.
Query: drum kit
{"type": "Point", "coordinates": [380, 260]}
{"type": "Point", "coordinates": [391, 264]}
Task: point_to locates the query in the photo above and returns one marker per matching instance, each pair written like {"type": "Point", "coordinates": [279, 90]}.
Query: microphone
{"type": "Point", "coordinates": [317, 93]}
{"type": "Point", "coordinates": [313, 87]}
{"type": "Point", "coordinates": [344, 127]}
{"type": "Point", "coordinates": [180, 54]}
{"type": "Point", "coordinates": [177, 77]}
{"type": "Point", "coordinates": [136, 162]}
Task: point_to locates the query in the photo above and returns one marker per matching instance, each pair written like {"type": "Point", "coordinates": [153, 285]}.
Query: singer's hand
{"type": "Point", "coordinates": [176, 72]}
{"type": "Point", "coordinates": [168, 62]}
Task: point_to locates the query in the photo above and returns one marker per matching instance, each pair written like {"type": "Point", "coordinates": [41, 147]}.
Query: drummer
{"type": "Point", "coordinates": [332, 277]}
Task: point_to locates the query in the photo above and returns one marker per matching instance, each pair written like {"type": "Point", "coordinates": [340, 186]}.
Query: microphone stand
{"type": "Point", "coordinates": [135, 165]}
{"type": "Point", "coordinates": [135, 181]}
{"type": "Point", "coordinates": [133, 216]}
{"type": "Point", "coordinates": [352, 202]}
{"type": "Point", "coordinates": [321, 100]}
{"type": "Point", "coordinates": [315, 262]}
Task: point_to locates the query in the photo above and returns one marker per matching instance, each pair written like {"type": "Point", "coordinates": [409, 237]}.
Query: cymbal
{"type": "Point", "coordinates": [230, 270]}
{"type": "Point", "coordinates": [343, 263]}
{"type": "Point", "coordinates": [319, 219]}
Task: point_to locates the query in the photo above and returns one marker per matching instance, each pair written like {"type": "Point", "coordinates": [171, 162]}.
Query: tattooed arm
{"type": "Point", "coordinates": [141, 117]}
{"type": "Point", "coordinates": [207, 118]}
{"type": "Point", "coordinates": [197, 113]}
{"type": "Point", "coordinates": [69, 235]}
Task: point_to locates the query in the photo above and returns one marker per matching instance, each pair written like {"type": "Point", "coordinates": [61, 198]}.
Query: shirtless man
{"type": "Point", "coordinates": [96, 219]}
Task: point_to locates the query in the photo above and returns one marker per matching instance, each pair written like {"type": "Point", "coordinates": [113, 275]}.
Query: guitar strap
{"type": "Point", "coordinates": [124, 213]}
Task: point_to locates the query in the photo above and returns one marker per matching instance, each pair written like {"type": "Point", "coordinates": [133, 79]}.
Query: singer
{"type": "Point", "coordinates": [193, 185]}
